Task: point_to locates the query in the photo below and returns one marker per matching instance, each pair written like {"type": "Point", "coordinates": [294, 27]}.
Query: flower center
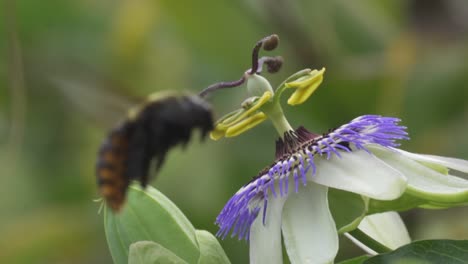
{"type": "Point", "coordinates": [298, 152]}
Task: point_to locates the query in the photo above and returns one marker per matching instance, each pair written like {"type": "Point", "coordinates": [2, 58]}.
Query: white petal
{"type": "Point", "coordinates": [360, 172]}
{"type": "Point", "coordinates": [423, 181]}
{"type": "Point", "coordinates": [265, 240]}
{"type": "Point", "coordinates": [309, 231]}
{"type": "Point", "coordinates": [452, 163]}
{"type": "Point", "coordinates": [387, 228]}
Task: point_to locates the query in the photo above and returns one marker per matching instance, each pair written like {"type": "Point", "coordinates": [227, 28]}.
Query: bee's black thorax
{"type": "Point", "coordinates": [129, 149]}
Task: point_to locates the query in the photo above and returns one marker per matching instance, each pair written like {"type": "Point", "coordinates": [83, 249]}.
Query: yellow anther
{"type": "Point", "coordinates": [217, 133]}
{"type": "Point", "coordinates": [255, 106]}
{"type": "Point", "coordinates": [221, 127]}
{"type": "Point", "coordinates": [242, 119]}
{"type": "Point", "coordinates": [245, 124]}
{"type": "Point", "coordinates": [229, 118]}
{"type": "Point", "coordinates": [305, 86]}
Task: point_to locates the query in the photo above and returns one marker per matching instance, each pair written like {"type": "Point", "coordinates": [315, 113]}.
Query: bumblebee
{"type": "Point", "coordinates": [161, 123]}
{"type": "Point", "coordinates": [146, 135]}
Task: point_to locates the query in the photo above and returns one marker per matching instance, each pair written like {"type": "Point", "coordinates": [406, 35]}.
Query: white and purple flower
{"type": "Point", "coordinates": [291, 194]}
{"type": "Point", "coordinates": [290, 198]}
{"type": "Point", "coordinates": [296, 158]}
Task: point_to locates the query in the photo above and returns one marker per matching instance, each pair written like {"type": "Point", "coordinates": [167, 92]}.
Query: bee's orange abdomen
{"type": "Point", "coordinates": [111, 167]}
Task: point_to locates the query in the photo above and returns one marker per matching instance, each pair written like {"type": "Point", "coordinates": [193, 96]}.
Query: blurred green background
{"type": "Point", "coordinates": [67, 69]}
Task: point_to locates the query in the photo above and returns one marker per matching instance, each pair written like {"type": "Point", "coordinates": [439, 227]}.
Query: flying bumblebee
{"type": "Point", "coordinates": [156, 126]}
{"type": "Point", "coordinates": [152, 128]}
{"type": "Point", "coordinates": [147, 134]}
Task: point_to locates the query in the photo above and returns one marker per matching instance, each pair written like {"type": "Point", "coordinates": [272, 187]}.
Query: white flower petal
{"type": "Point", "coordinates": [309, 231]}
{"type": "Point", "coordinates": [452, 163]}
{"type": "Point", "coordinates": [265, 240]}
{"type": "Point", "coordinates": [358, 243]}
{"type": "Point", "coordinates": [359, 172]}
{"type": "Point", "coordinates": [387, 228]}
{"type": "Point", "coordinates": [423, 181]}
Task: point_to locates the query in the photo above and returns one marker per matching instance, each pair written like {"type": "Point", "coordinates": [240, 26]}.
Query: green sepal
{"type": "Point", "coordinates": [403, 203]}
{"type": "Point", "coordinates": [427, 181]}
{"type": "Point", "coordinates": [408, 201]}
{"type": "Point", "coordinates": [436, 205]}
{"type": "Point", "coordinates": [454, 199]}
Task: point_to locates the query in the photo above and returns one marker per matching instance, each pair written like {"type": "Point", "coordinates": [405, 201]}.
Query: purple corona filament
{"type": "Point", "coordinates": [294, 159]}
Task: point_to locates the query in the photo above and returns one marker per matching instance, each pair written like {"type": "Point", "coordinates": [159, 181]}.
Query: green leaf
{"type": "Point", "coordinates": [427, 251]}
{"type": "Point", "coordinates": [149, 252]}
{"type": "Point", "coordinates": [356, 260]}
{"type": "Point", "coordinates": [348, 209]}
{"type": "Point", "coordinates": [149, 215]}
{"type": "Point", "coordinates": [210, 249]}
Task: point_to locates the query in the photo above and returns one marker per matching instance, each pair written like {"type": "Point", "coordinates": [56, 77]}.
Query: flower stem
{"type": "Point", "coordinates": [276, 115]}
{"type": "Point", "coordinates": [369, 241]}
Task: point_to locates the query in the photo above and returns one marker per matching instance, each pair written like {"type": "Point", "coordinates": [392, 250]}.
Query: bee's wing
{"type": "Point", "coordinates": [143, 135]}
{"type": "Point", "coordinates": [95, 96]}
{"type": "Point", "coordinates": [103, 103]}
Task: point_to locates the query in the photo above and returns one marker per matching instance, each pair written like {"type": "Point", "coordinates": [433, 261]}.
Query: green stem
{"type": "Point", "coordinates": [369, 241]}
{"type": "Point", "coordinates": [276, 115]}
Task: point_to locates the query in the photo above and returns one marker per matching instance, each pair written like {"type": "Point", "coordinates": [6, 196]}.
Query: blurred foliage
{"type": "Point", "coordinates": [66, 66]}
